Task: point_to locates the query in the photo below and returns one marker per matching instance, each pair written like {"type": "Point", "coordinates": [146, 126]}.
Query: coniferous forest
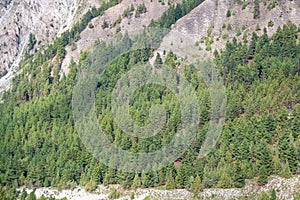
{"type": "Point", "coordinates": [40, 146]}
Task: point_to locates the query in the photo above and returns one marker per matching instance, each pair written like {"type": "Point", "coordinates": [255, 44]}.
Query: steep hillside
{"type": "Point", "coordinates": [117, 22]}
{"type": "Point", "coordinates": [213, 23]}
{"type": "Point", "coordinates": [28, 25]}
{"type": "Point", "coordinates": [208, 27]}
{"type": "Point", "coordinates": [49, 140]}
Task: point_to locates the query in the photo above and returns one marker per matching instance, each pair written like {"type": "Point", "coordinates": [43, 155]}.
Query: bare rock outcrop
{"type": "Point", "coordinates": [207, 27]}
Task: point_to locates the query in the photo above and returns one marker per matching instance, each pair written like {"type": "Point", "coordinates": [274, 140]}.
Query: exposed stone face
{"type": "Point", "coordinates": [43, 18]}
{"type": "Point", "coordinates": [211, 15]}
{"type": "Point", "coordinates": [131, 24]}
{"type": "Point", "coordinates": [47, 18]}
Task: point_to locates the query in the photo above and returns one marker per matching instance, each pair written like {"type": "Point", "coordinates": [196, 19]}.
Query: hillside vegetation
{"type": "Point", "coordinates": [40, 146]}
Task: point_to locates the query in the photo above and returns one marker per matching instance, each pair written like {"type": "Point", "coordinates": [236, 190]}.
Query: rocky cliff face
{"type": "Point", "coordinates": [44, 19]}
{"type": "Point", "coordinates": [116, 23]}
{"type": "Point", "coordinates": [214, 22]}
{"type": "Point", "coordinates": [208, 24]}
{"type": "Point", "coordinates": [206, 28]}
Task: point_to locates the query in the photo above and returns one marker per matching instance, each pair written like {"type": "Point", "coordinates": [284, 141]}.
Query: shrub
{"type": "Point", "coordinates": [270, 23]}
{"type": "Point", "coordinates": [245, 4]}
{"type": "Point", "coordinates": [225, 36]}
{"type": "Point", "coordinates": [228, 14]}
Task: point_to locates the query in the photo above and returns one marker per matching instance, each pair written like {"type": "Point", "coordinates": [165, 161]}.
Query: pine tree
{"type": "Point", "coordinates": [197, 186]}
{"type": "Point", "coordinates": [170, 184]}
{"type": "Point", "coordinates": [31, 196]}
{"type": "Point", "coordinates": [287, 150]}
{"type": "Point", "coordinates": [24, 194]}
{"type": "Point", "coordinates": [158, 61]}
{"type": "Point", "coordinates": [262, 176]}
{"type": "Point", "coordinates": [273, 195]}
{"type": "Point", "coordinates": [263, 196]}
{"type": "Point", "coordinates": [286, 172]}
{"type": "Point", "coordinates": [225, 181]}
{"type": "Point", "coordinates": [136, 182]}
{"type": "Point", "coordinates": [238, 175]}
{"type": "Point", "coordinates": [277, 164]}
{"type": "Point", "coordinates": [106, 179]}
{"type": "Point", "coordinates": [264, 156]}
{"type": "Point", "coordinates": [182, 176]}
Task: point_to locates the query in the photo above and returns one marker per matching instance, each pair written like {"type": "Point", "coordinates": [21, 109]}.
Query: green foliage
{"type": "Point", "coordinates": [262, 114]}
{"type": "Point", "coordinates": [158, 61]}
{"type": "Point", "coordinates": [270, 23]}
{"type": "Point", "coordinates": [105, 25]}
{"type": "Point", "coordinates": [229, 27]}
{"type": "Point", "coordinates": [225, 181]}
{"type": "Point", "coordinates": [31, 196]}
{"type": "Point", "coordinates": [287, 151]}
{"type": "Point", "coordinates": [263, 196]}
{"type": "Point", "coordinates": [140, 10]}
{"type": "Point", "coordinates": [277, 164]}
{"type": "Point", "coordinates": [8, 193]}
{"type": "Point", "coordinates": [228, 13]}
{"type": "Point", "coordinates": [225, 36]}
{"type": "Point", "coordinates": [238, 32]}
{"type": "Point", "coordinates": [197, 186]}
{"type": "Point", "coordinates": [23, 194]}
{"type": "Point", "coordinates": [257, 28]}
{"type": "Point", "coordinates": [32, 41]}
{"type": "Point", "coordinates": [256, 14]}
{"type": "Point", "coordinates": [114, 194]}
{"type": "Point", "coordinates": [244, 6]}
{"type": "Point", "coordinates": [272, 5]}
{"type": "Point", "coordinates": [170, 183]}
{"type": "Point", "coordinates": [262, 176]}
{"type": "Point", "coordinates": [238, 176]}
{"type": "Point", "coordinates": [91, 25]}
{"type": "Point", "coordinates": [136, 182]}
{"type": "Point", "coordinates": [244, 27]}
{"type": "Point", "coordinates": [174, 13]}
{"type": "Point", "coordinates": [273, 195]}
{"type": "Point", "coordinates": [286, 172]}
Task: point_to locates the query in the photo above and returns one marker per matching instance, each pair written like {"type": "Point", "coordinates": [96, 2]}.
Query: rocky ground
{"type": "Point", "coordinates": [285, 189]}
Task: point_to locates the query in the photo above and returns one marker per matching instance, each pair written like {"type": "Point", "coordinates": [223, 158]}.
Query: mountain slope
{"type": "Point", "coordinates": [42, 147]}
{"type": "Point", "coordinates": [210, 27]}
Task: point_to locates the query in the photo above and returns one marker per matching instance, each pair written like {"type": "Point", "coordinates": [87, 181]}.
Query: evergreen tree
{"type": "Point", "coordinates": [263, 196]}
{"type": "Point", "coordinates": [277, 164]}
{"type": "Point", "coordinates": [197, 186]}
{"type": "Point", "coordinates": [158, 61]}
{"type": "Point", "coordinates": [238, 175]}
{"type": "Point", "coordinates": [31, 196]}
{"type": "Point", "coordinates": [286, 172]}
{"type": "Point", "coordinates": [273, 195]}
{"type": "Point", "coordinates": [264, 156]}
{"type": "Point", "coordinates": [23, 194]}
{"type": "Point", "coordinates": [170, 184]}
{"type": "Point", "coordinates": [262, 175]}
{"type": "Point", "coordinates": [136, 182]}
{"type": "Point", "coordinates": [106, 179]}
{"type": "Point", "coordinates": [225, 181]}
{"type": "Point", "coordinates": [287, 151]}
